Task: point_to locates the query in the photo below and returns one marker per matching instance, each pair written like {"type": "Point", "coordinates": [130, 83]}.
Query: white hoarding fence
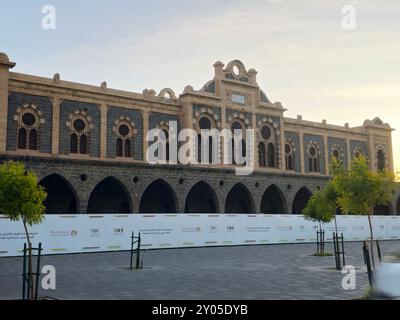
{"type": "Point", "coordinates": [111, 232]}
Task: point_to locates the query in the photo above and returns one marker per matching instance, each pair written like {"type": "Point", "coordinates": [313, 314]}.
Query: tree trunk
{"type": "Point", "coordinates": [372, 241]}
{"type": "Point", "coordinates": [29, 260]}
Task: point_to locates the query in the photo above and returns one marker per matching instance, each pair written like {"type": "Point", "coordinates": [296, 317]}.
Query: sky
{"type": "Point", "coordinates": [304, 57]}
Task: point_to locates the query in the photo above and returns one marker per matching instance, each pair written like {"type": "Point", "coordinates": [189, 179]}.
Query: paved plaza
{"type": "Point", "coordinates": [246, 272]}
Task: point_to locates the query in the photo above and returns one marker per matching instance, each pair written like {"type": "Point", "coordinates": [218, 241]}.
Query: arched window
{"type": "Point", "coordinates": [119, 147]}
{"type": "Point", "coordinates": [206, 121]}
{"type": "Point", "coordinates": [22, 138]}
{"type": "Point", "coordinates": [124, 143]}
{"type": "Point", "coordinates": [83, 144]}
{"type": "Point", "coordinates": [289, 157]}
{"type": "Point", "coordinates": [271, 156]}
{"type": "Point", "coordinates": [261, 155]}
{"type": "Point", "coordinates": [336, 154]}
{"type": "Point", "coordinates": [381, 160]}
{"type": "Point", "coordinates": [236, 125]}
{"type": "Point", "coordinates": [80, 133]}
{"type": "Point", "coordinates": [29, 123]}
{"type": "Point", "coordinates": [199, 149]}
{"type": "Point", "coordinates": [267, 135]}
{"type": "Point", "coordinates": [33, 139]}
{"type": "Point", "coordinates": [128, 148]}
{"type": "Point", "coordinates": [73, 144]}
{"type": "Point", "coordinates": [313, 159]}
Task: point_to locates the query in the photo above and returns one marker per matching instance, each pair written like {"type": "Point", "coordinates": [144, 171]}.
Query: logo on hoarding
{"type": "Point", "coordinates": [230, 228]}
{"type": "Point", "coordinates": [213, 229]}
{"type": "Point", "coordinates": [118, 231]}
{"type": "Point", "coordinates": [190, 229]}
{"type": "Point", "coordinates": [95, 232]}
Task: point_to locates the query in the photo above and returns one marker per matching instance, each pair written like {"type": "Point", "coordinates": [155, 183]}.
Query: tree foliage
{"type": "Point", "coordinates": [322, 205]}
{"type": "Point", "coordinates": [20, 195]}
{"type": "Point", "coordinates": [360, 190]}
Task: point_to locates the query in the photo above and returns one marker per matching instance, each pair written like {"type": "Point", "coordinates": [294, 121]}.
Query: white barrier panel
{"type": "Point", "coordinates": [95, 233]}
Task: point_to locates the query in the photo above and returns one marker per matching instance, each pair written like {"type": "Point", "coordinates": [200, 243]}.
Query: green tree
{"type": "Point", "coordinates": [360, 190]}
{"type": "Point", "coordinates": [323, 205]}
{"type": "Point", "coordinates": [21, 198]}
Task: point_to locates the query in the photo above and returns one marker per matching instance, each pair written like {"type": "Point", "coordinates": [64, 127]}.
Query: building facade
{"type": "Point", "coordinates": [87, 145]}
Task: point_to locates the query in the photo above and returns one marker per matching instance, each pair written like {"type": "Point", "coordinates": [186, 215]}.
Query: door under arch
{"type": "Point", "coordinates": [239, 200]}
{"type": "Point", "coordinates": [201, 199]}
{"type": "Point", "coordinates": [300, 200]}
{"type": "Point", "coordinates": [158, 197]}
{"type": "Point", "coordinates": [109, 196]}
{"type": "Point", "coordinates": [61, 197]}
{"type": "Point", "coordinates": [273, 201]}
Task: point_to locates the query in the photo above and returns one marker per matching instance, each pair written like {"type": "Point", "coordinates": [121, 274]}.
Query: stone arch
{"type": "Point", "coordinates": [273, 201]}
{"type": "Point", "coordinates": [167, 94]}
{"type": "Point", "coordinates": [110, 196]}
{"type": "Point", "coordinates": [239, 200]}
{"type": "Point", "coordinates": [300, 200]}
{"type": "Point", "coordinates": [201, 199]}
{"type": "Point", "coordinates": [61, 196]}
{"type": "Point", "coordinates": [158, 197]}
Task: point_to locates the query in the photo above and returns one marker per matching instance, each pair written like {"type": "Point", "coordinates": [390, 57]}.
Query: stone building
{"type": "Point", "coordinates": [87, 145]}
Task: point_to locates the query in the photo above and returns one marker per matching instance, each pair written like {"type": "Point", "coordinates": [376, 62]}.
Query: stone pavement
{"type": "Point", "coordinates": [248, 272]}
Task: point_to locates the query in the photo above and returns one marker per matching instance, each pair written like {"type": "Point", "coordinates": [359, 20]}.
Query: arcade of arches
{"type": "Point", "coordinates": [111, 196]}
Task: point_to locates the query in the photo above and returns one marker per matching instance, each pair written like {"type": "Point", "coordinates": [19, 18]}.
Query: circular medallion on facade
{"type": "Point", "coordinates": [28, 119]}
{"type": "Point", "coordinates": [205, 123]}
{"type": "Point", "coordinates": [79, 125]}
{"type": "Point", "coordinates": [266, 132]}
{"type": "Point", "coordinates": [123, 130]}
